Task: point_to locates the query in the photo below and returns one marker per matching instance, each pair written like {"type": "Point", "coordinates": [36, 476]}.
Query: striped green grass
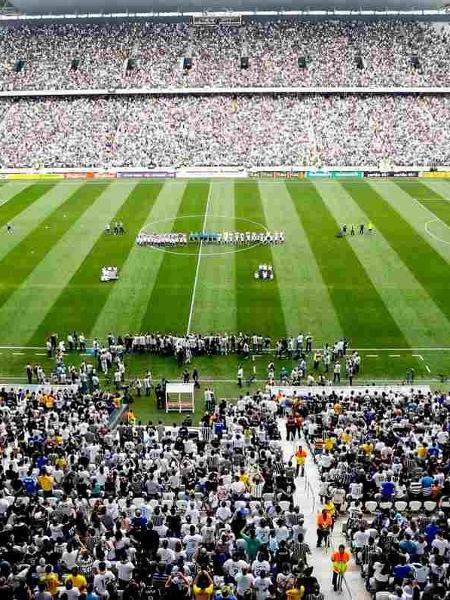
{"type": "Point", "coordinates": [26, 255]}
{"type": "Point", "coordinates": [169, 305]}
{"type": "Point", "coordinates": [428, 198]}
{"type": "Point", "coordinates": [127, 302]}
{"type": "Point", "coordinates": [10, 189]}
{"type": "Point", "coordinates": [420, 320]}
{"type": "Point", "coordinates": [367, 288]}
{"type": "Point", "coordinates": [418, 216]}
{"type": "Point", "coordinates": [20, 201]}
{"type": "Point", "coordinates": [215, 298]}
{"type": "Point", "coordinates": [30, 218]}
{"type": "Point", "coordinates": [25, 309]}
{"type": "Point", "coordinates": [428, 267]}
{"type": "Point", "coordinates": [362, 313]}
{"type": "Point", "coordinates": [109, 250]}
{"type": "Point", "coordinates": [300, 283]}
{"type": "Point", "coordinates": [259, 307]}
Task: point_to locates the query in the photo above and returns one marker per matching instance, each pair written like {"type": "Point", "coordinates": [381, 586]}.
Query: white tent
{"type": "Point", "coordinates": [180, 397]}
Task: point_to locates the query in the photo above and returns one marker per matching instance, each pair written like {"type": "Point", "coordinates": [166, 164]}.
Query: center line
{"type": "Point", "coordinates": [199, 256]}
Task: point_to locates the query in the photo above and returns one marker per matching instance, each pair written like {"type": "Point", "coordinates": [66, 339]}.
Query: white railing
{"type": "Point", "coordinates": [208, 91]}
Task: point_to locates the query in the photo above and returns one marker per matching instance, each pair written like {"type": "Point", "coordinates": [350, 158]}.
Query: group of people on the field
{"type": "Point", "coordinates": [161, 239]}
{"type": "Point", "coordinates": [210, 237]}
{"type": "Point", "coordinates": [109, 274]}
{"type": "Point", "coordinates": [264, 272]}
{"type": "Point", "coordinates": [116, 228]}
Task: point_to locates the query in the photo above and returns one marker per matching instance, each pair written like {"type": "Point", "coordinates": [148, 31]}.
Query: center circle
{"type": "Point", "coordinates": [215, 249]}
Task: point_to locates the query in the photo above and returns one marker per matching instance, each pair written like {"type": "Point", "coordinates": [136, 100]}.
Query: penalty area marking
{"type": "Point", "coordinates": [207, 254]}
{"type": "Point", "coordinates": [428, 368]}
{"type": "Point", "coordinates": [431, 234]}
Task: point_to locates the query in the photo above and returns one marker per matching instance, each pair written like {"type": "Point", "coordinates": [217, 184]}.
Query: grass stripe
{"type": "Point", "coordinates": [362, 313]}
{"type": "Point", "coordinates": [170, 301]}
{"type": "Point", "coordinates": [29, 253]}
{"type": "Point", "coordinates": [427, 197]}
{"type": "Point", "coordinates": [109, 250]}
{"type": "Point", "coordinates": [440, 186]}
{"type": "Point", "coordinates": [429, 268]}
{"type": "Point", "coordinates": [415, 214]}
{"type": "Point", "coordinates": [259, 307]}
{"type": "Point", "coordinates": [215, 300]}
{"type": "Point", "coordinates": [127, 302]}
{"type": "Point", "coordinates": [23, 312]}
{"type": "Point", "coordinates": [30, 218]}
{"type": "Point", "coordinates": [421, 321]}
{"type": "Point", "coordinates": [24, 198]}
{"type": "Point", "coordinates": [10, 189]}
{"type": "Point", "coordinates": [302, 289]}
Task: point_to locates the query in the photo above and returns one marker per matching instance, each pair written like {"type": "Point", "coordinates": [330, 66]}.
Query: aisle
{"type": "Point", "coordinates": [306, 497]}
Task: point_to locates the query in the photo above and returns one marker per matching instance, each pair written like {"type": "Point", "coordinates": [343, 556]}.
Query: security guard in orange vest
{"type": "Point", "coordinates": [324, 525]}
{"type": "Point", "coordinates": [340, 559]}
{"type": "Point", "coordinates": [300, 459]}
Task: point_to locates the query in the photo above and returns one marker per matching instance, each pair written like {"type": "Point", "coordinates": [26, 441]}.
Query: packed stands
{"type": "Point", "coordinates": [225, 130]}
{"type": "Point", "coordinates": [148, 510]}
{"type": "Point", "coordinates": [86, 56]}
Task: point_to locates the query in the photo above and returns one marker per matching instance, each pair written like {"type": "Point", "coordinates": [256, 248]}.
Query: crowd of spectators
{"type": "Point", "coordinates": [330, 49]}
{"type": "Point", "coordinates": [225, 131]}
{"type": "Point", "coordinates": [147, 511]}
{"type": "Point", "coordinates": [384, 462]}
{"type": "Point", "coordinates": [90, 513]}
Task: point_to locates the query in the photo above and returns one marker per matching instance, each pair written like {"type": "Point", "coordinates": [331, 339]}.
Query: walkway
{"type": "Point", "coordinates": [307, 498]}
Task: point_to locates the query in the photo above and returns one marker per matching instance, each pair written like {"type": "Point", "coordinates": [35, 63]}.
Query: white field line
{"type": "Point", "coordinates": [394, 355]}
{"type": "Point", "coordinates": [371, 355]}
{"type": "Point", "coordinates": [428, 368]}
{"type": "Point", "coordinates": [199, 256]}
{"type": "Point", "coordinates": [431, 234]}
{"type": "Point", "coordinates": [419, 356]}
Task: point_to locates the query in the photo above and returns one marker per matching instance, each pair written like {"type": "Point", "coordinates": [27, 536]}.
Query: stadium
{"type": "Point", "coordinates": [224, 300]}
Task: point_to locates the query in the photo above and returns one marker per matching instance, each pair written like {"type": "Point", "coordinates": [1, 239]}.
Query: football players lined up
{"type": "Point", "coordinates": [161, 239]}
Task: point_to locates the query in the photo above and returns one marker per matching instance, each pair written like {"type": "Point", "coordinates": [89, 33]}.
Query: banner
{"type": "Point", "coordinates": [383, 174]}
{"type": "Point", "coordinates": [436, 174]}
{"type": "Point", "coordinates": [146, 174]}
{"type": "Point", "coordinates": [30, 176]}
{"type": "Point", "coordinates": [276, 174]}
{"type": "Point", "coordinates": [334, 174]}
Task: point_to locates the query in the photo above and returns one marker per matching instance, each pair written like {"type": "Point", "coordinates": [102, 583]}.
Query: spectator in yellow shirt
{"type": "Point", "coordinates": [328, 443]}
{"type": "Point", "coordinates": [245, 478]}
{"type": "Point", "coordinates": [295, 592]}
{"type": "Point", "coordinates": [78, 580]}
{"type": "Point", "coordinates": [203, 586]}
{"type": "Point", "coordinates": [51, 580]}
{"type": "Point", "coordinates": [46, 483]}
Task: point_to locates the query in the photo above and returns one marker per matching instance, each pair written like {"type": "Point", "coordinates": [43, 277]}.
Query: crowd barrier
{"type": "Point", "coordinates": [221, 172]}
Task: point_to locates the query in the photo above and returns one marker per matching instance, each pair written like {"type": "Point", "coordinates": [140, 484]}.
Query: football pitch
{"type": "Point", "coordinates": [387, 292]}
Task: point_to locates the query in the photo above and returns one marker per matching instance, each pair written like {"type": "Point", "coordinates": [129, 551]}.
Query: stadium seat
{"type": "Point", "coordinates": [415, 505]}
{"type": "Point", "coordinates": [371, 506]}
{"type": "Point", "coordinates": [429, 506]}
{"type": "Point", "coordinates": [401, 505]}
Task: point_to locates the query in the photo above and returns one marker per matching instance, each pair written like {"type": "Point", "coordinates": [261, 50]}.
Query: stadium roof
{"type": "Point", "coordinates": [118, 6]}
